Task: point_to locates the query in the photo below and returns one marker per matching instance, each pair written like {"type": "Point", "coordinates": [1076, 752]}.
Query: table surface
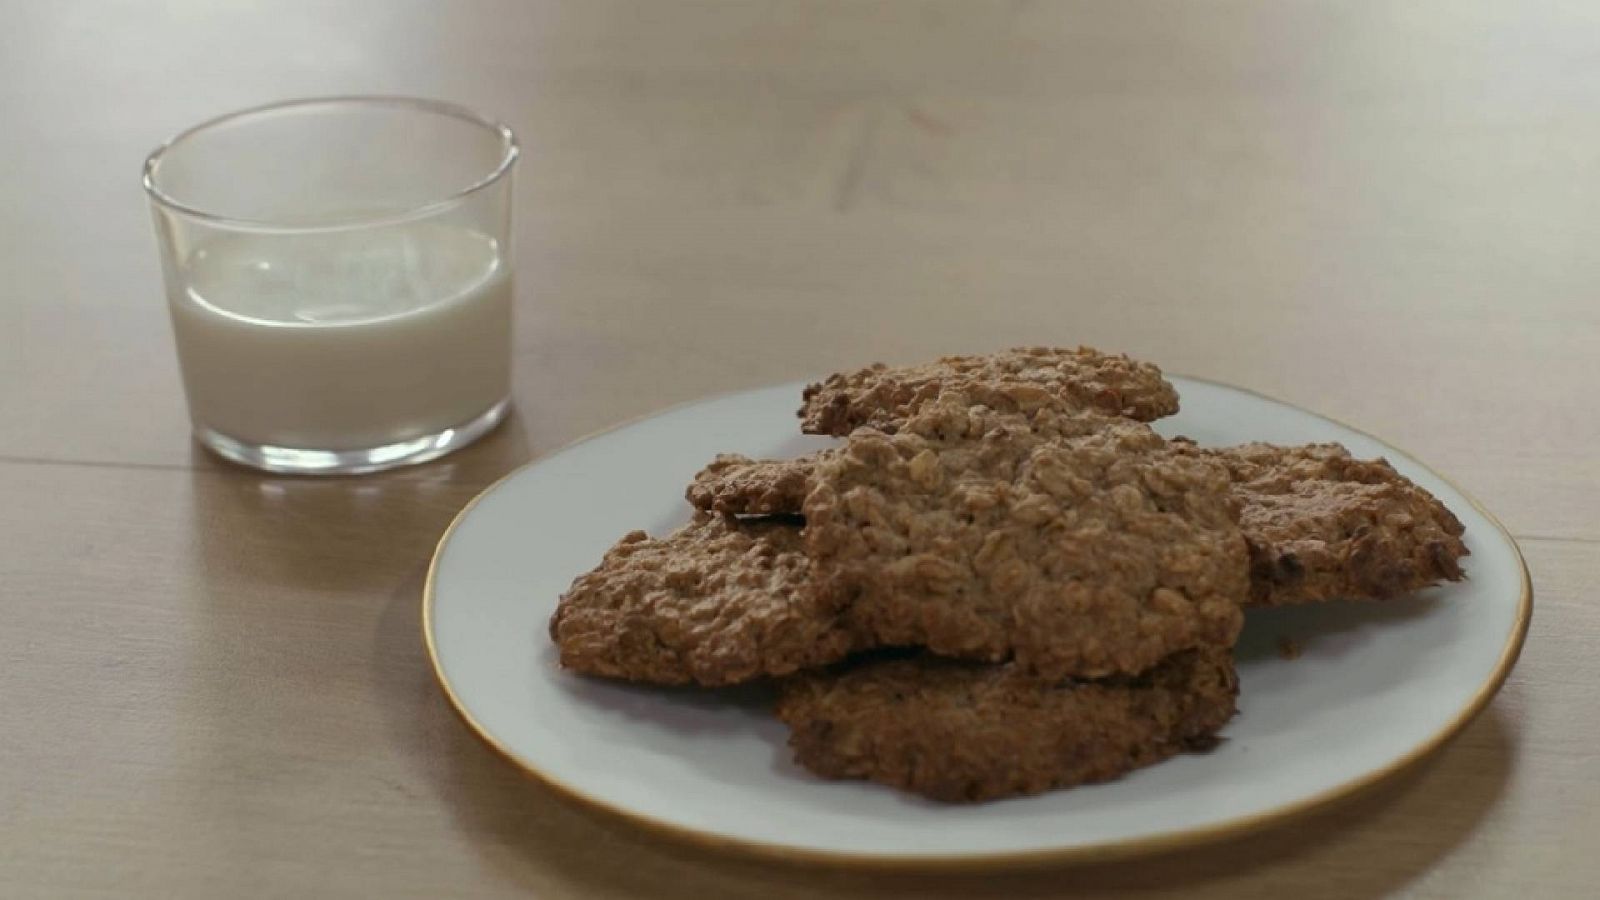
{"type": "Point", "coordinates": [212, 682]}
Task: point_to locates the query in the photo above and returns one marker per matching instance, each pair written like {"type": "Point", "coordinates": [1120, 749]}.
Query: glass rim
{"type": "Point", "coordinates": [510, 150]}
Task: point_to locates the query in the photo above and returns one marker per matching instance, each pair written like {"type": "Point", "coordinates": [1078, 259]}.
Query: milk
{"type": "Point", "coordinates": [343, 340]}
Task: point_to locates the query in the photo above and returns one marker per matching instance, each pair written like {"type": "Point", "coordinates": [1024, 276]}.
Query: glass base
{"type": "Point", "coordinates": [294, 460]}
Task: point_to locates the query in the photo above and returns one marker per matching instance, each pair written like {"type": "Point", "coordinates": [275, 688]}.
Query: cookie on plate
{"type": "Point", "coordinates": [1084, 555]}
{"type": "Point", "coordinates": [1323, 525]}
{"type": "Point", "coordinates": [717, 602]}
{"type": "Point", "coordinates": [1024, 379]}
{"type": "Point", "coordinates": [962, 732]}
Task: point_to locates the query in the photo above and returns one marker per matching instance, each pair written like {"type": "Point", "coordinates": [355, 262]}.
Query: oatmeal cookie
{"type": "Point", "coordinates": [716, 602]}
{"type": "Point", "coordinates": [1024, 379]}
{"type": "Point", "coordinates": [1323, 525]}
{"type": "Point", "coordinates": [962, 732]}
{"type": "Point", "coordinates": [1083, 555]}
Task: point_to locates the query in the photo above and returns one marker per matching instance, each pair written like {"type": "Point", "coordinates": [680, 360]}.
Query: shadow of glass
{"type": "Point", "coordinates": [319, 532]}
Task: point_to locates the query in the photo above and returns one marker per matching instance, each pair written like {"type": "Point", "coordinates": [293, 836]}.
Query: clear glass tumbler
{"type": "Point", "coordinates": [339, 276]}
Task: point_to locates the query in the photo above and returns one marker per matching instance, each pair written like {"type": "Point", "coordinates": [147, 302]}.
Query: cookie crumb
{"type": "Point", "coordinates": [1289, 648]}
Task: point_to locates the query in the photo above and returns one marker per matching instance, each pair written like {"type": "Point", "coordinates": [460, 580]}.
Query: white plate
{"type": "Point", "coordinates": [1377, 686]}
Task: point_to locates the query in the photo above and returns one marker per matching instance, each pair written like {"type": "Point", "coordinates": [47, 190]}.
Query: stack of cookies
{"type": "Point", "coordinates": [1001, 581]}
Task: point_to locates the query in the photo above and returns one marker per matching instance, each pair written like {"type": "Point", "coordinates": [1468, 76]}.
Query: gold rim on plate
{"type": "Point", "coordinates": [1101, 852]}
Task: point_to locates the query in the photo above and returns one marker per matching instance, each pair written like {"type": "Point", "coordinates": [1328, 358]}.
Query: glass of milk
{"type": "Point", "coordinates": [338, 272]}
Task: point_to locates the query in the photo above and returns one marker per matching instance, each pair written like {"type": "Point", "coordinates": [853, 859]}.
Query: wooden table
{"type": "Point", "coordinates": [212, 682]}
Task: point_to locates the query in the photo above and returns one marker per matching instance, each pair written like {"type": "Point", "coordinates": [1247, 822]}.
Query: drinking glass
{"type": "Point", "coordinates": [339, 276]}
